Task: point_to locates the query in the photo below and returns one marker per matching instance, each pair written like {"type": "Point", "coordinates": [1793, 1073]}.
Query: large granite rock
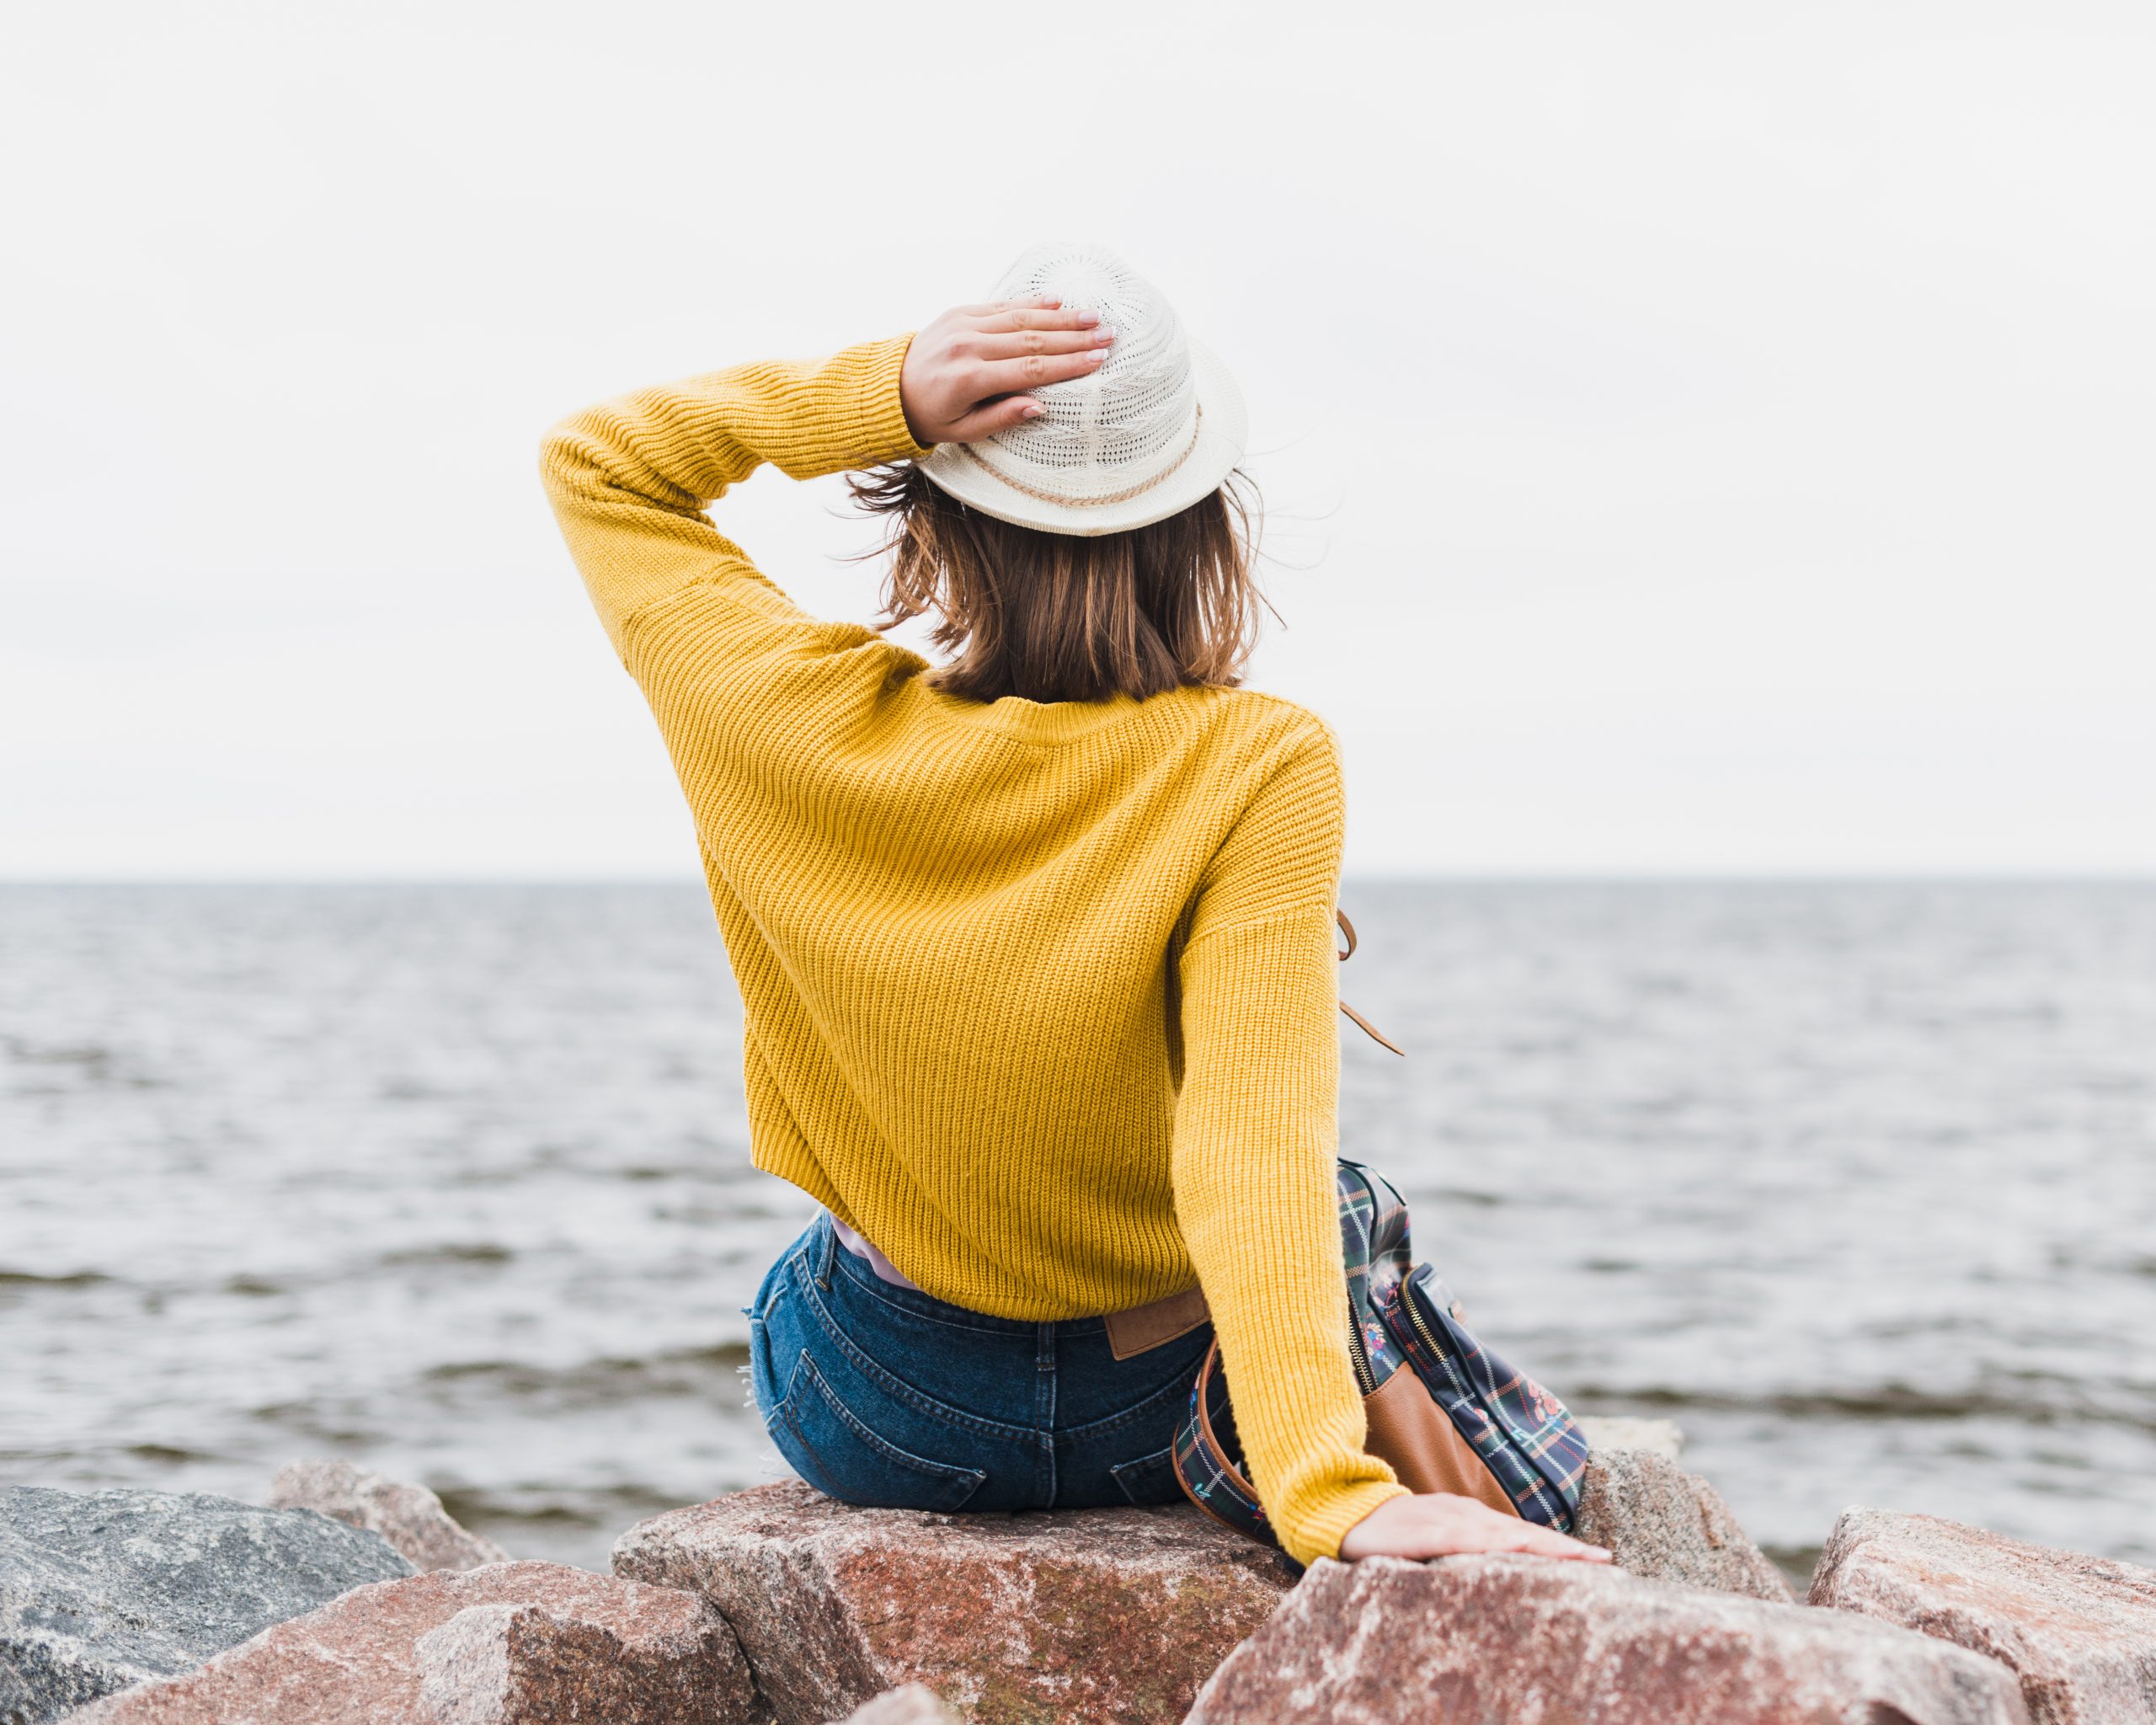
{"type": "Point", "coordinates": [101, 1589]}
{"type": "Point", "coordinates": [1660, 1522]}
{"type": "Point", "coordinates": [1089, 1615]}
{"type": "Point", "coordinates": [509, 1644]}
{"type": "Point", "coordinates": [909, 1704]}
{"type": "Point", "coordinates": [409, 1517]}
{"type": "Point", "coordinates": [1473, 1640]}
{"type": "Point", "coordinates": [2080, 1632]}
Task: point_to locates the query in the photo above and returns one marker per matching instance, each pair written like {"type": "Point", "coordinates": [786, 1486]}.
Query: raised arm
{"type": "Point", "coordinates": [629, 479]}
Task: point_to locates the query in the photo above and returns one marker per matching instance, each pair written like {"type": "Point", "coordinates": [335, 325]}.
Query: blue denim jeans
{"type": "Point", "coordinates": [881, 1395]}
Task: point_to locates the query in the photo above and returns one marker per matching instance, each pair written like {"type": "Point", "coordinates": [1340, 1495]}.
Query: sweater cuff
{"type": "Point", "coordinates": [876, 419]}
{"type": "Point", "coordinates": [1320, 1528]}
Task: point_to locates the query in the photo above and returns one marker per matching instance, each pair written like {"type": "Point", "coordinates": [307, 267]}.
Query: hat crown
{"type": "Point", "coordinates": [1126, 426]}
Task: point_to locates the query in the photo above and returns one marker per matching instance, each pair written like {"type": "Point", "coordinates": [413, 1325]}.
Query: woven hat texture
{"type": "Point", "coordinates": [1153, 428]}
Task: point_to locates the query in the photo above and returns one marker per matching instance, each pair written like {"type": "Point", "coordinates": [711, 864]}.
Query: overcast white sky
{"type": "Point", "coordinates": [1700, 438]}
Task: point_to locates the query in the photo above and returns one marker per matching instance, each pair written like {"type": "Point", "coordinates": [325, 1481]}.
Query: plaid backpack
{"type": "Point", "coordinates": [1447, 1414]}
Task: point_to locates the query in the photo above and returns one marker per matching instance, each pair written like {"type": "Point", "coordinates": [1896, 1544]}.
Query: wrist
{"type": "Point", "coordinates": [887, 424]}
{"type": "Point", "coordinates": [1326, 1533]}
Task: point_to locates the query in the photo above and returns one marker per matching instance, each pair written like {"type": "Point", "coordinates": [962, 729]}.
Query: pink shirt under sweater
{"type": "Point", "coordinates": [858, 1245]}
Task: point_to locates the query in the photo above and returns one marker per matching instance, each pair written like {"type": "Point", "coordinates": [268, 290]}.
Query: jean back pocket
{"type": "Point", "coordinates": [834, 1450]}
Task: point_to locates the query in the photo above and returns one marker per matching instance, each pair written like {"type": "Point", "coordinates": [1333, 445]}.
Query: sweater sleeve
{"type": "Point", "coordinates": [1257, 1131]}
{"type": "Point", "coordinates": [628, 479]}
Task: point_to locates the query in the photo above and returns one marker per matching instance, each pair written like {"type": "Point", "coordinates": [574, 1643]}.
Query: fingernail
{"type": "Point", "coordinates": [1095, 357]}
{"type": "Point", "coordinates": [1104, 335]}
{"type": "Point", "coordinates": [1032, 412]}
{"type": "Point", "coordinates": [1085, 317]}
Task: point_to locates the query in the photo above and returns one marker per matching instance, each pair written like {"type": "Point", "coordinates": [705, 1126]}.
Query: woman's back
{"type": "Point", "coordinates": [958, 926]}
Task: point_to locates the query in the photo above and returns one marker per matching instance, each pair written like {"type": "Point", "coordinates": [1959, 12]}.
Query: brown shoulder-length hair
{"type": "Point", "coordinates": [1052, 616]}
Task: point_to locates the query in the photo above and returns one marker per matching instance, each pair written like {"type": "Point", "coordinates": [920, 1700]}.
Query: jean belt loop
{"type": "Point", "coordinates": [827, 1247]}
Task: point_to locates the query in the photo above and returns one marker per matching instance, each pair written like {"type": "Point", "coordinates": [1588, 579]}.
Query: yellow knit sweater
{"type": "Point", "coordinates": [1040, 997]}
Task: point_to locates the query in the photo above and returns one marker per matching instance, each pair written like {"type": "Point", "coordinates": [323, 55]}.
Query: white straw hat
{"type": "Point", "coordinates": [1156, 427]}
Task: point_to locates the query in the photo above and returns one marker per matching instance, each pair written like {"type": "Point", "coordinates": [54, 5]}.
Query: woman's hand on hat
{"type": "Point", "coordinates": [966, 376]}
{"type": "Point", "coordinates": [1439, 1524]}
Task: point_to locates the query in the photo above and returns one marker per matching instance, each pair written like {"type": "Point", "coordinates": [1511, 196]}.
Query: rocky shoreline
{"type": "Point", "coordinates": [351, 1598]}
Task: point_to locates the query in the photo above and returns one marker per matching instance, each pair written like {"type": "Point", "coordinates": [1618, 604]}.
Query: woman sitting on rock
{"type": "Point", "coordinates": [1036, 950]}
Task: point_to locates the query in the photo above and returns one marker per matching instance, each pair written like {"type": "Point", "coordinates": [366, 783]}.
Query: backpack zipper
{"type": "Point", "coordinates": [1357, 1349]}
{"type": "Point", "coordinates": [1359, 1353]}
{"type": "Point", "coordinates": [1421, 1326]}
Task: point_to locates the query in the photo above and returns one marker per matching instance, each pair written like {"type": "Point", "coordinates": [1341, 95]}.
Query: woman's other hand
{"type": "Point", "coordinates": [1439, 1524]}
{"type": "Point", "coordinates": [966, 375]}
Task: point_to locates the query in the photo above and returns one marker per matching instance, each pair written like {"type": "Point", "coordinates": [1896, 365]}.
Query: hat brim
{"type": "Point", "coordinates": [1223, 429]}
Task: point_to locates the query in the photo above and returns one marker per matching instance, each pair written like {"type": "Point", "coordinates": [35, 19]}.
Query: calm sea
{"type": "Point", "coordinates": [1857, 1182]}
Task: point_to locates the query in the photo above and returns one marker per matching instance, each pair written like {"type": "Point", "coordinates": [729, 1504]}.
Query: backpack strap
{"type": "Point", "coordinates": [1210, 1476]}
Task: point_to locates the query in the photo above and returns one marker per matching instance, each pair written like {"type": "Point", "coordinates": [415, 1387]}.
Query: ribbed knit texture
{"type": "Point", "coordinates": [1040, 997]}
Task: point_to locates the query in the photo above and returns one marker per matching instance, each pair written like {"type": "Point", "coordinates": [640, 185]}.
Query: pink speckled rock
{"type": "Point", "coordinates": [1099, 1615]}
{"type": "Point", "coordinates": [411, 1518]}
{"type": "Point", "coordinates": [2080, 1632]}
{"type": "Point", "coordinates": [511, 1644]}
{"type": "Point", "coordinates": [1468, 1641]}
{"type": "Point", "coordinates": [909, 1704]}
{"type": "Point", "coordinates": [1660, 1522]}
